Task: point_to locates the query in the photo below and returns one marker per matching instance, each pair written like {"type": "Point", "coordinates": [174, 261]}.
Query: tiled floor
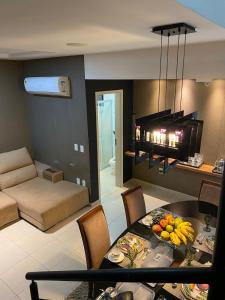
{"type": "Point", "coordinates": [24, 248]}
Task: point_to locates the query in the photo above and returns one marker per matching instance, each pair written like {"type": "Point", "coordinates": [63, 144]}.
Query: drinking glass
{"type": "Point", "coordinates": [207, 220]}
{"type": "Point", "coordinates": [190, 256]}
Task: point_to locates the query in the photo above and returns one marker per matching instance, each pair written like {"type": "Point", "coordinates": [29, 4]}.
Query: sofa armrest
{"type": "Point", "coordinates": [40, 167]}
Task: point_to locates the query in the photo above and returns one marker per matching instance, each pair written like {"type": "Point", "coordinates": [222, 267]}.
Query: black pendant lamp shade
{"type": "Point", "coordinates": [172, 135]}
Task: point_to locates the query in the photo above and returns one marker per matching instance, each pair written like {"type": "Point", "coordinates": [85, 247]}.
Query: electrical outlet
{"type": "Point", "coordinates": [76, 147]}
{"type": "Point", "coordinates": [72, 164]}
{"type": "Point", "coordinates": [78, 180]}
{"type": "Point", "coordinates": [81, 148]}
{"type": "Point", "coordinates": [83, 182]}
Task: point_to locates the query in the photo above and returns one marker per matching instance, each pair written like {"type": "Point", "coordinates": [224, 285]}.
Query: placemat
{"type": "Point", "coordinates": [160, 256]}
{"type": "Point", "coordinates": [139, 259]}
{"type": "Point", "coordinates": [203, 246]}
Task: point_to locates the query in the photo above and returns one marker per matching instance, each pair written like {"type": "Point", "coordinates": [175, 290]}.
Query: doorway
{"type": "Point", "coordinates": [109, 113]}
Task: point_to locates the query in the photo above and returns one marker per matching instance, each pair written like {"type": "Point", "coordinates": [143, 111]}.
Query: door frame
{"type": "Point", "coordinates": [118, 136]}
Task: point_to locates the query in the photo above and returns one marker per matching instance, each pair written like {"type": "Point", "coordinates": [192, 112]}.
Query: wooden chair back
{"type": "Point", "coordinates": [134, 204]}
{"type": "Point", "coordinates": [210, 192]}
{"type": "Point", "coordinates": [95, 235]}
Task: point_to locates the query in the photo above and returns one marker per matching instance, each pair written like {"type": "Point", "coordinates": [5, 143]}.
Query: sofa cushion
{"type": "Point", "coordinates": [17, 176]}
{"type": "Point", "coordinates": [14, 160]}
{"type": "Point", "coordinates": [48, 203]}
{"type": "Point", "coordinates": [8, 209]}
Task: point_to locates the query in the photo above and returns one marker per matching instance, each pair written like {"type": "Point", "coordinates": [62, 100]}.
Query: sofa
{"type": "Point", "coordinates": [37, 200]}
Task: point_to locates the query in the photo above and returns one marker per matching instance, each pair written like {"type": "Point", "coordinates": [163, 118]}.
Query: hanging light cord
{"type": "Point", "coordinates": [160, 71]}
{"type": "Point", "coordinates": [175, 85]}
{"type": "Point", "coordinates": [182, 80]}
{"type": "Point", "coordinates": [167, 60]}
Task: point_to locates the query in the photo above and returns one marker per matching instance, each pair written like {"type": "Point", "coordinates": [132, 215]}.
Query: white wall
{"type": "Point", "coordinates": [204, 62]}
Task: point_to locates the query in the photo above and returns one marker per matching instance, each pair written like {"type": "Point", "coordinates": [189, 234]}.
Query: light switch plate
{"type": "Point", "coordinates": [78, 180]}
{"type": "Point", "coordinates": [76, 147]}
{"type": "Point", "coordinates": [81, 148]}
{"type": "Point", "coordinates": [83, 182]}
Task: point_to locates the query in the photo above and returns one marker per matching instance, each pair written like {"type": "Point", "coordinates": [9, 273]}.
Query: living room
{"type": "Point", "coordinates": [50, 157]}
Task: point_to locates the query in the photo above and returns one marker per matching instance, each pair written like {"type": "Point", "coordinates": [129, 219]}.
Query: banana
{"type": "Point", "coordinates": [175, 239]}
{"type": "Point", "coordinates": [187, 234]}
{"type": "Point", "coordinates": [188, 228]}
{"type": "Point", "coordinates": [186, 224]}
{"type": "Point", "coordinates": [181, 236]}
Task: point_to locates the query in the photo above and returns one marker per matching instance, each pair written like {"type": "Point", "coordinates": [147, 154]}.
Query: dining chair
{"type": "Point", "coordinates": [95, 235]}
{"type": "Point", "coordinates": [210, 192]}
{"type": "Point", "coordinates": [134, 204]}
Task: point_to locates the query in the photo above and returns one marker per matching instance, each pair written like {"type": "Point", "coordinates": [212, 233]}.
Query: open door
{"type": "Point", "coordinates": [109, 114]}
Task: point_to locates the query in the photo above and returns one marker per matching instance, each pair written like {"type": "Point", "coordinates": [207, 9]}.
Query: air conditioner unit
{"type": "Point", "coordinates": [52, 86]}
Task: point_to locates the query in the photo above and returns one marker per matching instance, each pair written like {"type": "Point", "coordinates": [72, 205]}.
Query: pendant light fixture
{"type": "Point", "coordinates": [167, 137]}
{"type": "Point", "coordinates": [169, 31]}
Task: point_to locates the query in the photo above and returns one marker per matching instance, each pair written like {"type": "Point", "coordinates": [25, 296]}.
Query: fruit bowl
{"type": "Point", "coordinates": [173, 230]}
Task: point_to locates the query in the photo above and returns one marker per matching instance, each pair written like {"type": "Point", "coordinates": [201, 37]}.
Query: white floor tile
{"type": "Point", "coordinates": [56, 255]}
{"type": "Point", "coordinates": [25, 294]}
{"type": "Point", "coordinates": [50, 290]}
{"type": "Point", "coordinates": [6, 293]}
{"type": "Point", "coordinates": [113, 209]}
{"type": "Point", "coordinates": [16, 275]}
{"type": "Point", "coordinates": [71, 237]}
{"type": "Point", "coordinates": [34, 241]}
{"type": "Point", "coordinates": [19, 230]}
{"type": "Point", "coordinates": [117, 227]}
{"type": "Point", "coordinates": [10, 256]}
{"type": "Point", "coordinates": [4, 241]}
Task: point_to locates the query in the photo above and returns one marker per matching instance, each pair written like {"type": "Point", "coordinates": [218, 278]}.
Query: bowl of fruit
{"type": "Point", "coordinates": [173, 230]}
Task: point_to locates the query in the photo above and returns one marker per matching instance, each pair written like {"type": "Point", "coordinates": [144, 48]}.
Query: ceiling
{"type": "Point", "coordinates": [212, 10]}
{"type": "Point", "coordinates": [34, 29]}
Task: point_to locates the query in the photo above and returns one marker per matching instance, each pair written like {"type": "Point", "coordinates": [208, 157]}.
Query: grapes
{"type": "Point", "coordinates": [156, 220]}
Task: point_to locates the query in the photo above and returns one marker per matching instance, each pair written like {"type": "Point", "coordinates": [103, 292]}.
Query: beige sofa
{"type": "Point", "coordinates": [39, 201]}
{"type": "Point", "coordinates": [8, 210]}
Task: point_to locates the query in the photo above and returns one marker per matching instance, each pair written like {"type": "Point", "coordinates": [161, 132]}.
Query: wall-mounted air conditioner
{"type": "Point", "coordinates": [53, 86]}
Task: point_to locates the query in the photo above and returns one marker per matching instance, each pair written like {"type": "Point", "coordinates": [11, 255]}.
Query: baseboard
{"type": "Point", "coordinates": [93, 204]}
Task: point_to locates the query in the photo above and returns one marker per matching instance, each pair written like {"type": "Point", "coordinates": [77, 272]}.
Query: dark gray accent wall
{"type": "Point", "coordinates": [93, 86]}
{"type": "Point", "coordinates": [14, 129]}
{"type": "Point", "coordinates": [58, 123]}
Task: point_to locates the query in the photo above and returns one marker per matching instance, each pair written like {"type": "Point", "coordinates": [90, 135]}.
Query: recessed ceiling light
{"type": "Point", "coordinates": [76, 44]}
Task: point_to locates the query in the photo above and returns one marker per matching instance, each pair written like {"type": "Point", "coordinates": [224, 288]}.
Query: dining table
{"type": "Point", "coordinates": [194, 211]}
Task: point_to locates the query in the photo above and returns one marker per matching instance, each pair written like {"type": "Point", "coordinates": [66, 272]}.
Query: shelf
{"type": "Point", "coordinates": [130, 154]}
{"type": "Point", "coordinates": [204, 169]}
{"type": "Point", "coordinates": [138, 158]}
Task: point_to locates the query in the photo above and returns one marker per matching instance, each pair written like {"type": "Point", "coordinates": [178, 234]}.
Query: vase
{"type": "Point", "coordinates": [132, 264]}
